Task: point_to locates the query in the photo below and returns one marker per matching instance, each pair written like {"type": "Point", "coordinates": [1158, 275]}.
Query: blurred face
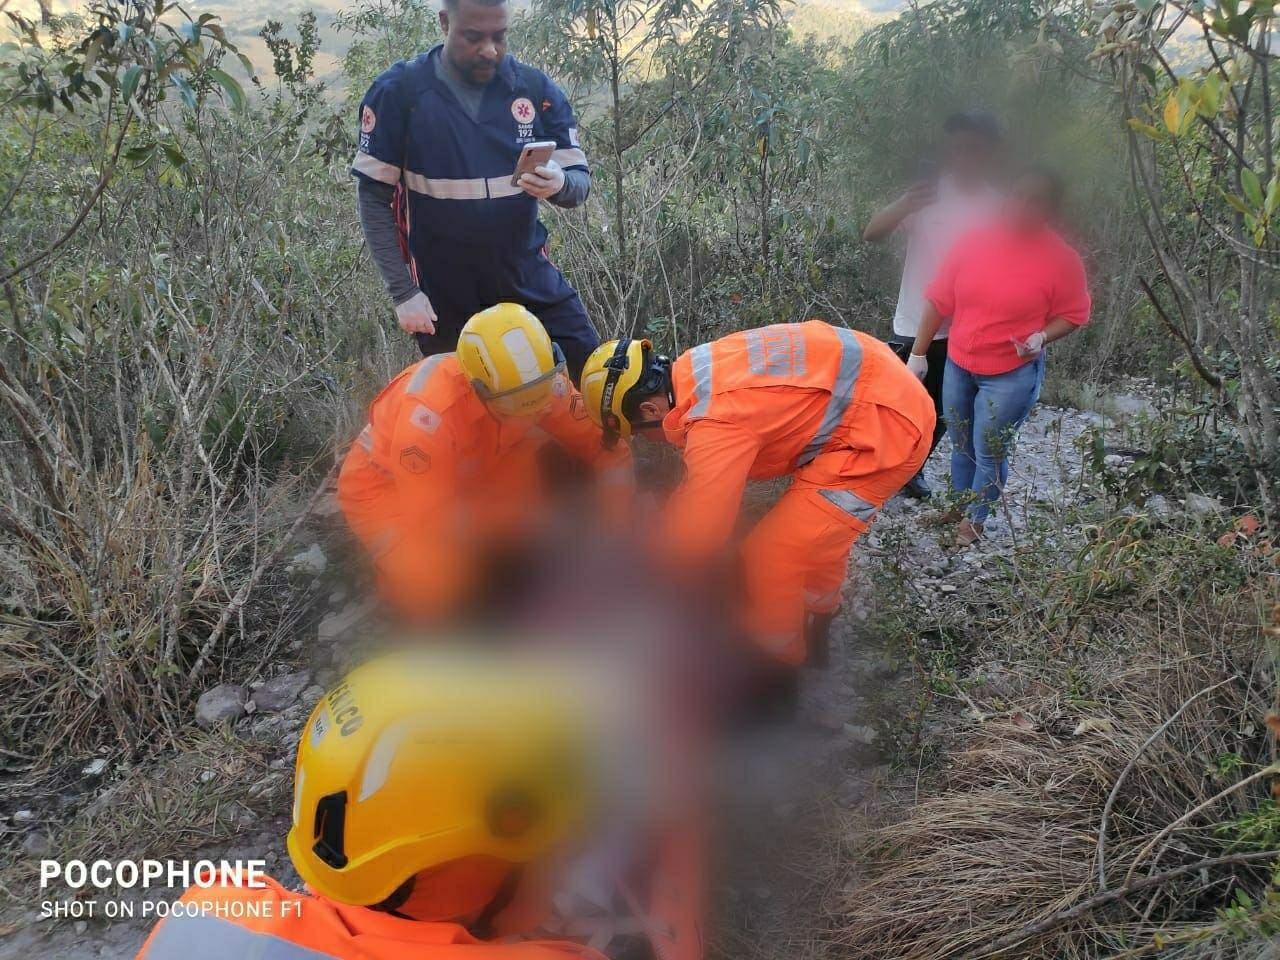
{"type": "Point", "coordinates": [520, 410]}
{"type": "Point", "coordinates": [1032, 203]}
{"type": "Point", "coordinates": [475, 39]}
{"type": "Point", "coordinates": [970, 155]}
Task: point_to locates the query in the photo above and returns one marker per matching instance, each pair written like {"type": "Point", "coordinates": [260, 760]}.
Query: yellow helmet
{"type": "Point", "coordinates": [420, 759]}
{"type": "Point", "coordinates": [511, 362]}
{"type": "Point", "coordinates": [610, 373]}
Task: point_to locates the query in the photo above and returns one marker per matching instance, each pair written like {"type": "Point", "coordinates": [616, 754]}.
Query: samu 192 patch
{"type": "Point", "coordinates": [415, 460]}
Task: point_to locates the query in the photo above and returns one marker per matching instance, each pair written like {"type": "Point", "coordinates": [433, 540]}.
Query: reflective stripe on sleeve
{"type": "Point", "coordinates": [700, 361]}
{"type": "Point", "coordinates": [841, 395]}
{"type": "Point", "coordinates": [419, 378]}
{"type": "Point", "coordinates": [366, 439]}
{"type": "Point", "coordinates": [376, 169]}
{"type": "Point", "coordinates": [850, 503]}
{"type": "Point", "coordinates": [210, 938]}
{"type": "Point", "coordinates": [572, 157]}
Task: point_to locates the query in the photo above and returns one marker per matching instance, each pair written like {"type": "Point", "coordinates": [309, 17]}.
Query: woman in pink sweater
{"type": "Point", "coordinates": [1010, 288]}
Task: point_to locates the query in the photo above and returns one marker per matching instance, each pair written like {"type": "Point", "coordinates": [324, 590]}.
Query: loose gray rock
{"type": "Point", "coordinates": [36, 844]}
{"type": "Point", "coordinates": [279, 692]}
{"type": "Point", "coordinates": [311, 696]}
{"type": "Point", "coordinates": [267, 786]}
{"type": "Point", "coordinates": [1202, 507]}
{"type": "Point", "coordinates": [222, 704]}
{"type": "Point", "coordinates": [862, 734]}
{"type": "Point", "coordinates": [337, 625]}
{"type": "Point", "coordinates": [311, 561]}
{"type": "Point", "coordinates": [23, 816]}
{"type": "Point", "coordinates": [95, 768]}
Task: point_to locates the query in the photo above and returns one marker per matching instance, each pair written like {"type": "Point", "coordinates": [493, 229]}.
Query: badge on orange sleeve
{"type": "Point", "coordinates": [415, 460]}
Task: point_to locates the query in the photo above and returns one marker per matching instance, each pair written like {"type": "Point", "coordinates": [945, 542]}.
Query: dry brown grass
{"type": "Point", "coordinates": [1011, 838]}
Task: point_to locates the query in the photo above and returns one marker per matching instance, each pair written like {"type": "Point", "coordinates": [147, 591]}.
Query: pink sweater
{"type": "Point", "coordinates": [998, 283]}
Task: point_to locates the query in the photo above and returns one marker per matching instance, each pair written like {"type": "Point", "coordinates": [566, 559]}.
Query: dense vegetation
{"type": "Point", "coordinates": [189, 325]}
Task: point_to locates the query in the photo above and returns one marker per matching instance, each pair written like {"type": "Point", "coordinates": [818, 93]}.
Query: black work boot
{"type": "Point", "coordinates": [817, 636]}
{"type": "Point", "coordinates": [917, 488]}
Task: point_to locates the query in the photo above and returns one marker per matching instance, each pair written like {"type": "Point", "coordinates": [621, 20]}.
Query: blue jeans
{"type": "Point", "coordinates": [983, 417]}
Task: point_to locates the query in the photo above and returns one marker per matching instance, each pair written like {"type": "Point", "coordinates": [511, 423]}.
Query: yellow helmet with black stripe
{"type": "Point", "coordinates": [611, 373]}
{"type": "Point", "coordinates": [424, 758]}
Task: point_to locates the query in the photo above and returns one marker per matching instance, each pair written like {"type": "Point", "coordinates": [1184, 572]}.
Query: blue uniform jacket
{"type": "Point", "coordinates": [457, 170]}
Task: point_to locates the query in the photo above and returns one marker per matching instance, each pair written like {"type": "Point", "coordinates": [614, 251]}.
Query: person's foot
{"type": "Point", "coordinates": [817, 633]}
{"type": "Point", "coordinates": [917, 488]}
{"type": "Point", "coordinates": [951, 516]}
{"type": "Point", "coordinates": [968, 533]}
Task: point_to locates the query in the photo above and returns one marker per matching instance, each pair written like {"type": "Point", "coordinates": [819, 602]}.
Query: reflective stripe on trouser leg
{"type": "Point", "coordinates": [841, 395]}
{"type": "Point", "coordinates": [211, 938]}
{"type": "Point", "coordinates": [850, 503]}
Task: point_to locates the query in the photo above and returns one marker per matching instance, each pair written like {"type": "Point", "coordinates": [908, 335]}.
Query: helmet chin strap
{"type": "Point", "coordinates": [616, 365]}
{"type": "Point", "coordinates": [608, 419]}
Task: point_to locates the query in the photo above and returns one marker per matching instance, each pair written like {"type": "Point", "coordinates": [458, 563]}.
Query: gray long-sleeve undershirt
{"type": "Point", "coordinates": [379, 224]}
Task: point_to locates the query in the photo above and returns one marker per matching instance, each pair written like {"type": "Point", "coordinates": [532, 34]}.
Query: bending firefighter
{"type": "Point", "coordinates": [448, 471]}
{"type": "Point", "coordinates": [832, 408]}
{"type": "Point", "coordinates": [427, 793]}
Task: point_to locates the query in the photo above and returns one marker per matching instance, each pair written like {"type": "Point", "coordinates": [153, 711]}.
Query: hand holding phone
{"type": "Point", "coordinates": [924, 190]}
{"type": "Point", "coordinates": [532, 156]}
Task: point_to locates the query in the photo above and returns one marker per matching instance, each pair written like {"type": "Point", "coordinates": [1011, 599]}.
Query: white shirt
{"type": "Point", "coordinates": [930, 232]}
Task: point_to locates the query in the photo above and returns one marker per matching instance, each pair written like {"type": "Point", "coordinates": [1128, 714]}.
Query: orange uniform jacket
{"type": "Point", "coordinates": [434, 473]}
{"type": "Point", "coordinates": [221, 922]}
{"type": "Point", "coordinates": [833, 408]}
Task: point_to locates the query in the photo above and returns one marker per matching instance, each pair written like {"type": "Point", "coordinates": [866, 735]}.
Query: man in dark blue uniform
{"type": "Point", "coordinates": [449, 126]}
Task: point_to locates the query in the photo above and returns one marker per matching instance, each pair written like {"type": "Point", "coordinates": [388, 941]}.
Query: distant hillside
{"type": "Point", "coordinates": [243, 19]}
{"type": "Point", "coordinates": [843, 20]}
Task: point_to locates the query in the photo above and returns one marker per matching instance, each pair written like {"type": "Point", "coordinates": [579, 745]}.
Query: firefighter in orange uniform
{"type": "Point", "coordinates": [448, 466]}
{"type": "Point", "coordinates": [832, 408]}
{"type": "Point", "coordinates": [426, 788]}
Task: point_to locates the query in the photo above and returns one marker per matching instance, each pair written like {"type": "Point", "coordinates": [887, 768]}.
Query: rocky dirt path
{"type": "Point", "coordinates": [795, 792]}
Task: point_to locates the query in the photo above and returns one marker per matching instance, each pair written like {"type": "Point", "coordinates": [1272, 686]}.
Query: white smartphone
{"type": "Point", "coordinates": [533, 156]}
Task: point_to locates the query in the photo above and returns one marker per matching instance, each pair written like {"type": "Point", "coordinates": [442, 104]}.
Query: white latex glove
{"type": "Point", "coordinates": [416, 315]}
{"type": "Point", "coordinates": [1031, 349]}
{"type": "Point", "coordinates": [545, 181]}
{"type": "Point", "coordinates": [918, 365]}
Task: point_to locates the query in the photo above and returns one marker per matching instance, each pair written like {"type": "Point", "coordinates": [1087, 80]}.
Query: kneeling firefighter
{"type": "Point", "coordinates": [449, 469]}
{"type": "Point", "coordinates": [434, 792]}
{"type": "Point", "coordinates": [832, 408]}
